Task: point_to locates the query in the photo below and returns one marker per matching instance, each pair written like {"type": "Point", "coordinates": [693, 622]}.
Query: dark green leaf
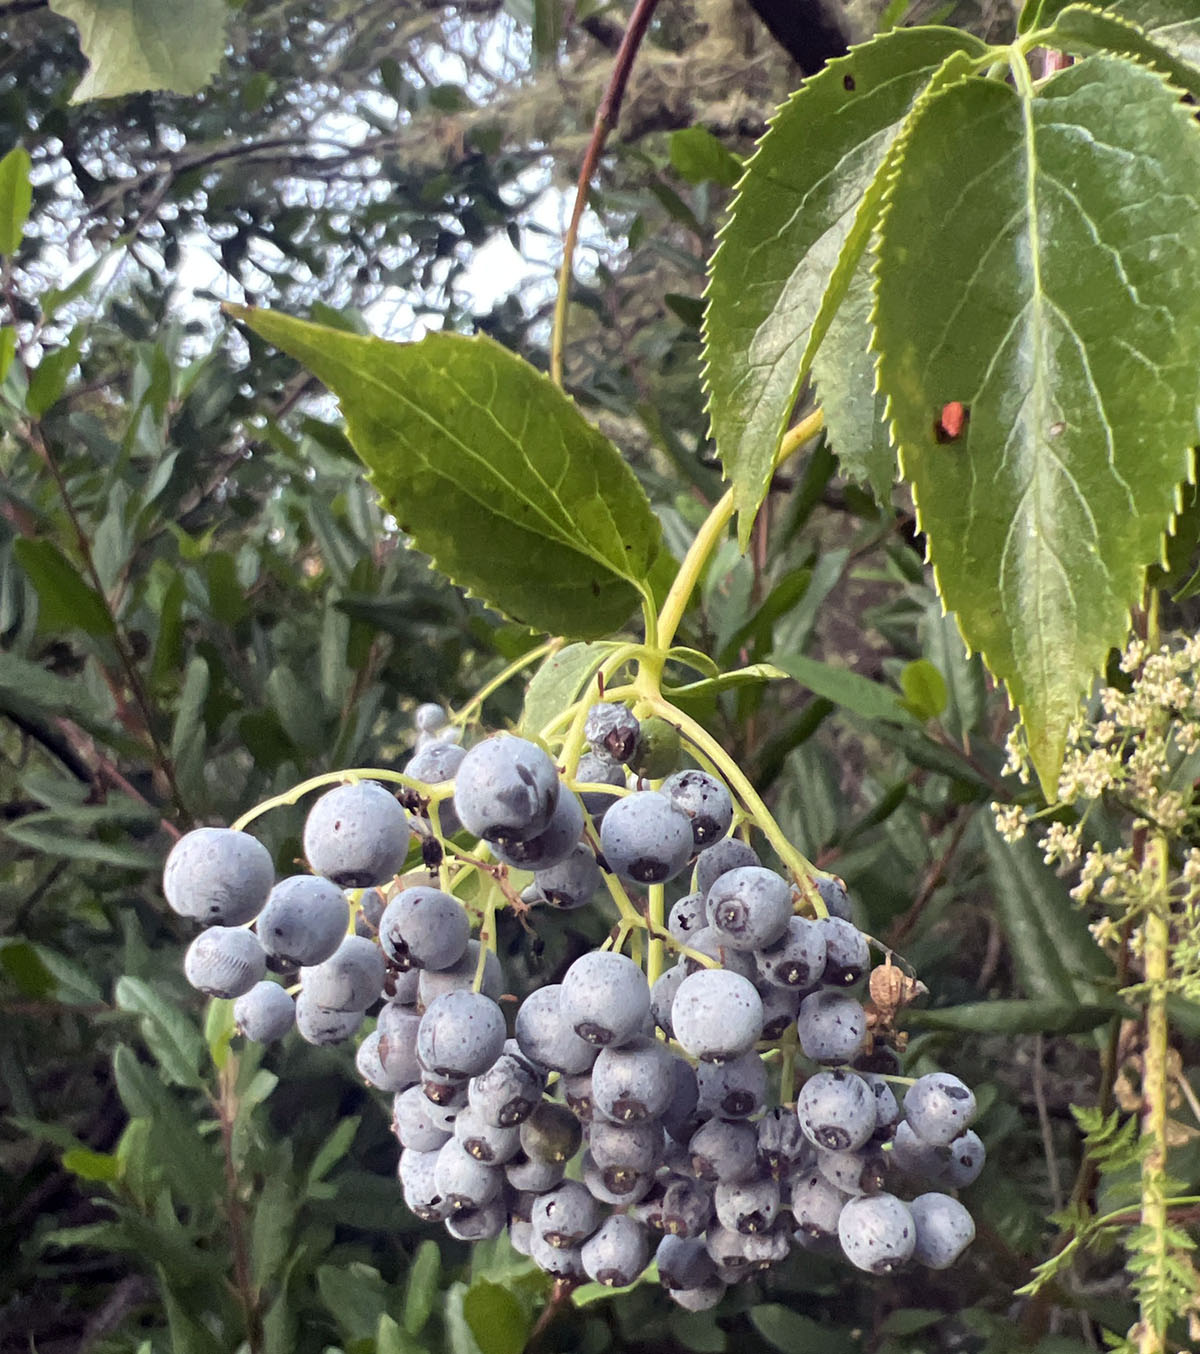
{"type": "Point", "coordinates": [16, 197]}
{"type": "Point", "coordinates": [133, 45]}
{"type": "Point", "coordinates": [332, 1150]}
{"type": "Point", "coordinates": [1076, 351]}
{"type": "Point", "coordinates": [24, 967]}
{"type": "Point", "coordinates": [1053, 953]}
{"type": "Point", "coordinates": [924, 689]}
{"type": "Point", "coordinates": [55, 841]}
{"type": "Point", "coordinates": [492, 470]}
{"type": "Point", "coordinates": [798, 226]}
{"type": "Point", "coordinates": [859, 695]}
{"type": "Point", "coordinates": [1014, 1017]}
{"type": "Point", "coordinates": [65, 601]}
{"type": "Point", "coordinates": [909, 1320]}
{"type": "Point", "coordinates": [792, 1333]}
{"type": "Point", "coordinates": [420, 1294]}
{"type": "Point", "coordinates": [356, 1297]}
{"type": "Point", "coordinates": [699, 157]}
{"type": "Point", "coordinates": [497, 1320]}
{"type": "Point", "coordinates": [169, 1034]}
{"type": "Point", "coordinates": [558, 682]}
{"type": "Point", "coordinates": [49, 377]}
{"type": "Point", "coordinates": [275, 1208]}
{"type": "Point", "coordinates": [547, 29]}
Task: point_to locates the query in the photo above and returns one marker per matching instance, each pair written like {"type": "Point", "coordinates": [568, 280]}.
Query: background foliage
{"type": "Point", "coordinates": [201, 603]}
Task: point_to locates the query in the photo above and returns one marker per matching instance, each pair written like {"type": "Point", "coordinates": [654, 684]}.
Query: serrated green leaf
{"type": "Point", "coordinates": [1172, 25]}
{"type": "Point", "coordinates": [496, 1318]}
{"type": "Point", "coordinates": [132, 45]}
{"type": "Point", "coordinates": [797, 228]}
{"type": "Point", "coordinates": [558, 682]}
{"type": "Point", "coordinates": [844, 374]}
{"type": "Point", "coordinates": [65, 601]}
{"type": "Point", "coordinates": [924, 689]}
{"type": "Point", "coordinates": [1085, 29]}
{"type": "Point", "coordinates": [492, 470]}
{"type": "Point", "coordinates": [1075, 346]}
{"type": "Point", "coordinates": [16, 198]}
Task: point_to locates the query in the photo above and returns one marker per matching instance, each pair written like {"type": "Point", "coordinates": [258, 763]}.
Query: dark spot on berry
{"type": "Point", "coordinates": [593, 1033]}
{"type": "Point", "coordinates": [957, 1092]}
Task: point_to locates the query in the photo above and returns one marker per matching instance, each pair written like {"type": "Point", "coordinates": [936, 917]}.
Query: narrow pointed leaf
{"type": "Point", "coordinates": [1055, 294]}
{"type": "Point", "coordinates": [802, 218]}
{"type": "Point", "coordinates": [16, 198]}
{"type": "Point", "coordinates": [491, 470]}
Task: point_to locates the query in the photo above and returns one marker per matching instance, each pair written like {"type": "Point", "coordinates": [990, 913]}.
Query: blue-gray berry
{"type": "Point", "coordinates": [877, 1232]}
{"type": "Point", "coordinates": [944, 1229]}
{"type": "Point", "coordinates": [546, 1037]}
{"type": "Point", "coordinates": [716, 1015]}
{"type": "Point", "coordinates": [265, 1013]}
{"type": "Point", "coordinates": [351, 979]}
{"type": "Point", "coordinates": [422, 927]}
{"type": "Point", "coordinates": [731, 853]}
{"type": "Point", "coordinates": [617, 1253]}
{"type": "Point", "coordinates": [505, 789]}
{"type": "Point", "coordinates": [218, 876]}
{"type": "Point", "coordinates": [832, 1027]}
{"type": "Point", "coordinates": [632, 1081]}
{"type": "Point", "coordinates": [797, 959]}
{"type": "Point", "coordinates": [553, 845]}
{"type": "Point", "coordinates": [224, 961]}
{"type": "Point", "coordinates": [939, 1107]}
{"type": "Point", "coordinates": [836, 1111]}
{"type": "Point", "coordinates": [570, 884]}
{"type": "Point", "coordinates": [749, 907]}
{"type": "Point", "coordinates": [645, 839]}
{"type": "Point", "coordinates": [461, 1034]}
{"type": "Point", "coordinates": [304, 920]}
{"type": "Point", "coordinates": [704, 801]}
{"type": "Point", "coordinates": [357, 835]}
{"type": "Point", "coordinates": [604, 997]}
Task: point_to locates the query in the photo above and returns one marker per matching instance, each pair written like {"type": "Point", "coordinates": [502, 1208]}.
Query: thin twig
{"type": "Point", "coordinates": [606, 119]}
{"type": "Point", "coordinates": [125, 657]}
{"type": "Point", "coordinates": [1043, 1114]}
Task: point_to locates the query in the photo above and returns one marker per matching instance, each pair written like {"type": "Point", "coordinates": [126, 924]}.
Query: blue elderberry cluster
{"type": "Point", "coordinates": [604, 1123]}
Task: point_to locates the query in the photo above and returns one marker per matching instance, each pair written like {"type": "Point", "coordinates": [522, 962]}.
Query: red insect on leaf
{"type": "Point", "coordinates": [952, 422]}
